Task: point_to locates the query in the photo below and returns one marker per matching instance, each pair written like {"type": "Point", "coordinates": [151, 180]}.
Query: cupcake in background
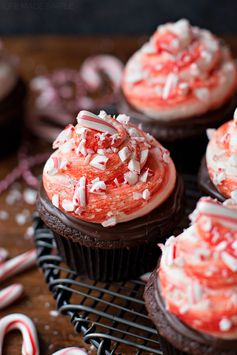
{"type": "Point", "coordinates": [57, 97]}
{"type": "Point", "coordinates": [181, 82]}
{"type": "Point", "coordinates": [191, 297]}
{"type": "Point", "coordinates": [12, 99]}
{"type": "Point", "coordinates": [110, 193]}
{"type": "Point", "coordinates": [218, 171]}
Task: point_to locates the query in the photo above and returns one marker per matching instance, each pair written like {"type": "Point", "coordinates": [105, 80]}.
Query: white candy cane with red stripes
{"type": "Point", "coordinates": [18, 264]}
{"type": "Point", "coordinates": [211, 208]}
{"type": "Point", "coordinates": [89, 120]}
{"type": "Point", "coordinates": [93, 66]}
{"type": "Point", "coordinates": [70, 351]}
{"type": "Point", "coordinates": [26, 327]}
{"type": "Point", "coordinates": [10, 294]}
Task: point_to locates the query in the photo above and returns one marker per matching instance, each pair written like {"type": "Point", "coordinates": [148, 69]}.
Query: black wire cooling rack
{"type": "Point", "coordinates": [110, 316]}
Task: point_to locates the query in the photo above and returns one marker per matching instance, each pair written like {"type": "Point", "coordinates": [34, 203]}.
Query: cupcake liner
{"type": "Point", "coordinates": [113, 264]}
{"type": "Point", "coordinates": [169, 349]}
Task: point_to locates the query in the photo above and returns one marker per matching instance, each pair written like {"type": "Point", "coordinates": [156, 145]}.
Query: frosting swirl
{"type": "Point", "coordinates": [181, 72]}
{"type": "Point", "coordinates": [105, 170]}
{"type": "Point", "coordinates": [221, 158]}
{"type": "Point", "coordinates": [198, 271]}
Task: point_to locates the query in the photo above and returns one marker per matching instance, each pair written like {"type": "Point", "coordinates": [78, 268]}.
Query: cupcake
{"type": "Point", "coordinates": [110, 193]}
{"type": "Point", "coordinates": [58, 96]}
{"type": "Point", "coordinates": [12, 95]}
{"type": "Point", "coordinates": [192, 296]}
{"type": "Point", "coordinates": [182, 81]}
{"type": "Point", "coordinates": [218, 172]}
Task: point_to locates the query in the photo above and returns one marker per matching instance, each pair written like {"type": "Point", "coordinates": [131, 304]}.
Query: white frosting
{"type": "Point", "coordinates": [158, 83]}
{"type": "Point", "coordinates": [126, 175]}
{"type": "Point", "coordinates": [221, 158]}
{"type": "Point", "coordinates": [198, 271]}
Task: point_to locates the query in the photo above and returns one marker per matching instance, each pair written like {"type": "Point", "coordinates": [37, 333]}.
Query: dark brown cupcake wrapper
{"type": "Point", "coordinates": [108, 264]}
{"type": "Point", "coordinates": [205, 184]}
{"type": "Point", "coordinates": [169, 349]}
{"type": "Point", "coordinates": [176, 130]}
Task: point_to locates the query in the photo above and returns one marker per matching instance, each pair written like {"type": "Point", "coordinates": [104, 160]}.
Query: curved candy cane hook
{"type": "Point", "coordinates": [25, 325]}
{"type": "Point", "coordinates": [110, 65]}
{"type": "Point", "coordinates": [70, 351]}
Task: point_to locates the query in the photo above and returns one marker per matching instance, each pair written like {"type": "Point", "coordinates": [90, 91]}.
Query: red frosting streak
{"type": "Point", "coordinates": [205, 294]}
{"type": "Point", "coordinates": [113, 200]}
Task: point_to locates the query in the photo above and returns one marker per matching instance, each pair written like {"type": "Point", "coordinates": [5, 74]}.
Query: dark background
{"type": "Point", "coordinates": [112, 16]}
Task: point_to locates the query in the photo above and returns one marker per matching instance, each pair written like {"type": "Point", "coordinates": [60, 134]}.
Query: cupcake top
{"type": "Point", "coordinates": [198, 271]}
{"type": "Point", "coordinates": [182, 71]}
{"type": "Point", "coordinates": [221, 157]}
{"type": "Point", "coordinates": [105, 170]}
{"type": "Point", "coordinates": [8, 74]}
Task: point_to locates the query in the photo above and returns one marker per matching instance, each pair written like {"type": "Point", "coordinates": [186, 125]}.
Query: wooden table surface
{"type": "Point", "coordinates": [36, 53]}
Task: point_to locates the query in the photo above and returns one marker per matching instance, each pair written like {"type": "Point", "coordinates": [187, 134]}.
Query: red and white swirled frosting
{"type": "Point", "coordinates": [221, 158]}
{"type": "Point", "coordinates": [198, 271]}
{"type": "Point", "coordinates": [183, 71]}
{"type": "Point", "coordinates": [106, 170]}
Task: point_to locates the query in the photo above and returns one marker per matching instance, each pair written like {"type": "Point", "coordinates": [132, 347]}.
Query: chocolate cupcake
{"type": "Point", "coordinates": [191, 297]}
{"type": "Point", "coordinates": [110, 193]}
{"type": "Point", "coordinates": [218, 172]}
{"type": "Point", "coordinates": [12, 95]}
{"type": "Point", "coordinates": [181, 82]}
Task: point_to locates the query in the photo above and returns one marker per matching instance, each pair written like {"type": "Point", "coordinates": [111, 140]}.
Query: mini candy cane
{"type": "Point", "coordinates": [110, 65]}
{"type": "Point", "coordinates": [70, 351]}
{"type": "Point", "coordinates": [26, 327]}
{"type": "Point", "coordinates": [89, 120]}
{"type": "Point", "coordinates": [214, 209]}
{"type": "Point", "coordinates": [10, 294]}
{"type": "Point", "coordinates": [18, 264]}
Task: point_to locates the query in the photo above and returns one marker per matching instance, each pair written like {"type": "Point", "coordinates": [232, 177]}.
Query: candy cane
{"type": "Point", "coordinates": [10, 294]}
{"type": "Point", "coordinates": [212, 208]}
{"type": "Point", "coordinates": [91, 68]}
{"type": "Point", "coordinates": [26, 327]}
{"type": "Point", "coordinates": [89, 120]}
{"type": "Point", "coordinates": [70, 351]}
{"type": "Point", "coordinates": [18, 264]}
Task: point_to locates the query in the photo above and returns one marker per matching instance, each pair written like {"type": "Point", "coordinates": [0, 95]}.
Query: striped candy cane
{"type": "Point", "coordinates": [93, 66]}
{"type": "Point", "coordinates": [10, 294]}
{"type": "Point", "coordinates": [70, 351]}
{"type": "Point", "coordinates": [18, 264]}
{"type": "Point", "coordinates": [214, 209]}
{"type": "Point", "coordinates": [26, 327]}
{"type": "Point", "coordinates": [89, 120]}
